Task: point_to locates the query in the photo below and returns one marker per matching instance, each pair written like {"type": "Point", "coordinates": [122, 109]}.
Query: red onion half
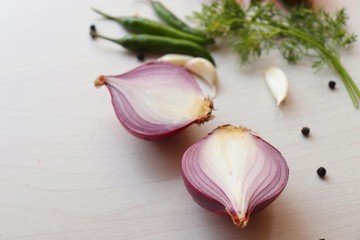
{"type": "Point", "coordinates": [157, 100]}
{"type": "Point", "coordinates": [232, 171]}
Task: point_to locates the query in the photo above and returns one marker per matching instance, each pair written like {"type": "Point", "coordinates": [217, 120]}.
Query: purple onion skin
{"type": "Point", "coordinates": [267, 202]}
{"type": "Point", "coordinates": [213, 205]}
{"type": "Point", "coordinates": [157, 136]}
{"type": "Point", "coordinates": [162, 133]}
{"type": "Point", "coordinates": [149, 137]}
{"type": "Point", "coordinates": [203, 200]}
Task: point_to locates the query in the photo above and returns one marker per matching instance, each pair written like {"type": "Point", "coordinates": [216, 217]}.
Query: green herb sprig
{"type": "Point", "coordinates": [297, 33]}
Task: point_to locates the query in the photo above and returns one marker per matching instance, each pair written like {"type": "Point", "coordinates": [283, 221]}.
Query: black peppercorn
{"type": "Point", "coordinates": [93, 28]}
{"type": "Point", "coordinates": [93, 31]}
{"type": "Point", "coordinates": [321, 172]}
{"type": "Point", "coordinates": [305, 131]}
{"type": "Point", "coordinates": [332, 85]}
{"type": "Point", "coordinates": [140, 56]}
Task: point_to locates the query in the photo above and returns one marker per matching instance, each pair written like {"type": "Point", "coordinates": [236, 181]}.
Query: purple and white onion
{"type": "Point", "coordinates": [233, 171]}
{"type": "Point", "coordinates": [157, 100]}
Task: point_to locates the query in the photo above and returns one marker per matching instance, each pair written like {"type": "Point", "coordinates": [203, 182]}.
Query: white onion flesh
{"type": "Point", "coordinates": [232, 171]}
{"type": "Point", "coordinates": [157, 100]}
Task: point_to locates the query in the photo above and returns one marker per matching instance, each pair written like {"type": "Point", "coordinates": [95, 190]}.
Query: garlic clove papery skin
{"type": "Point", "coordinates": [234, 172]}
{"type": "Point", "coordinates": [157, 100]}
{"type": "Point", "coordinates": [277, 83]}
{"type": "Point", "coordinates": [177, 59]}
{"type": "Point", "coordinates": [205, 70]}
{"type": "Point", "coordinates": [199, 66]}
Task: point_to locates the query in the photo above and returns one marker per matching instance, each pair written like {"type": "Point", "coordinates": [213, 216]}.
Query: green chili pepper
{"type": "Point", "coordinates": [171, 19]}
{"type": "Point", "coordinates": [145, 42]}
{"type": "Point", "coordinates": [147, 26]}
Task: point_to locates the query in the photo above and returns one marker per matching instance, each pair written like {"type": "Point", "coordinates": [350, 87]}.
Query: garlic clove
{"type": "Point", "coordinates": [205, 70]}
{"type": "Point", "coordinates": [278, 83]}
{"type": "Point", "coordinates": [234, 172]}
{"type": "Point", "coordinates": [177, 59]}
{"type": "Point", "coordinates": [157, 100]}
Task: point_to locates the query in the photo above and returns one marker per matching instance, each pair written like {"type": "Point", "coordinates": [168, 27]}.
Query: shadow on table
{"type": "Point", "coordinates": [166, 155]}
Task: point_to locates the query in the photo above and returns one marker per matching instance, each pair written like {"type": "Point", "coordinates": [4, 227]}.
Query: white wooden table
{"type": "Point", "coordinates": [68, 170]}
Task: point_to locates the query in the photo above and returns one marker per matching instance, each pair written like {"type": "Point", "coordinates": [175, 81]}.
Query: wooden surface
{"type": "Point", "coordinates": [68, 169]}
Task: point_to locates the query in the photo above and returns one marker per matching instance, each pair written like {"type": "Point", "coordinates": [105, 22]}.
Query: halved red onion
{"type": "Point", "coordinates": [157, 100]}
{"type": "Point", "coordinates": [234, 172]}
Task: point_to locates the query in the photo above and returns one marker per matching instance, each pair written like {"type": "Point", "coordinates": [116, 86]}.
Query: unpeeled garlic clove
{"type": "Point", "coordinates": [278, 83]}
{"type": "Point", "coordinates": [205, 70]}
{"type": "Point", "coordinates": [177, 59]}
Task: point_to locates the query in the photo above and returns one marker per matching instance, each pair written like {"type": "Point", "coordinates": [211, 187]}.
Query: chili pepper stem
{"type": "Point", "coordinates": [106, 15]}
{"type": "Point", "coordinates": [96, 35]}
